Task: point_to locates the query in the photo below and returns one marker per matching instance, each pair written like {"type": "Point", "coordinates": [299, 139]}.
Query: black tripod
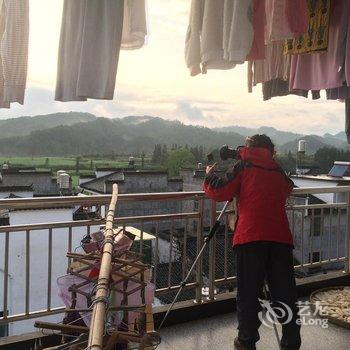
{"type": "Point", "coordinates": [206, 242]}
{"type": "Point", "coordinates": [274, 317]}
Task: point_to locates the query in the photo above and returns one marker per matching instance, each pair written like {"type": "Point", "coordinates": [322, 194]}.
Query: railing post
{"type": "Point", "coordinates": [212, 254]}
{"type": "Point", "coordinates": [347, 265]}
{"type": "Point", "coordinates": [27, 296]}
{"type": "Point", "coordinates": [6, 274]}
{"type": "Point", "coordinates": [200, 241]}
{"type": "Point", "coordinates": [49, 270]}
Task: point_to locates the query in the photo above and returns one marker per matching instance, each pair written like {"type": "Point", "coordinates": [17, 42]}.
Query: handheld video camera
{"type": "Point", "coordinates": [225, 153]}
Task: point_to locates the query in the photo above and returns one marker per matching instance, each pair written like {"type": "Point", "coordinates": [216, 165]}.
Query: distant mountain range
{"type": "Point", "coordinates": [283, 137]}
{"type": "Point", "coordinates": [25, 125]}
{"type": "Point", "coordinates": [77, 133]}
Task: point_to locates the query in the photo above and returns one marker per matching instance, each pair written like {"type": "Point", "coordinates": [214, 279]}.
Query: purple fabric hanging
{"type": "Point", "coordinates": [339, 93]}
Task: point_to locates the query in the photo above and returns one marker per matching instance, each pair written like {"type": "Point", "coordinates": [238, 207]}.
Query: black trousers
{"type": "Point", "coordinates": [273, 262]}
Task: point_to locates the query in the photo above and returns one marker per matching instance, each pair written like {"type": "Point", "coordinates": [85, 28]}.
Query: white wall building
{"type": "Point", "coordinates": [16, 191]}
{"type": "Point", "coordinates": [39, 243]}
{"type": "Point", "coordinates": [324, 234]}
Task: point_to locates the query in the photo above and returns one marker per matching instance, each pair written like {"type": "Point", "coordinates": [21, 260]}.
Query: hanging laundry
{"type": "Point", "coordinates": [285, 19]}
{"type": "Point", "coordinates": [87, 70]}
{"type": "Point", "coordinates": [297, 15]}
{"type": "Point", "coordinates": [273, 72]}
{"type": "Point", "coordinates": [343, 92]}
{"type": "Point", "coordinates": [92, 35]}
{"type": "Point", "coordinates": [274, 88]}
{"type": "Point", "coordinates": [340, 93]}
{"type": "Point", "coordinates": [316, 38]}
{"type": "Point", "coordinates": [257, 51]}
{"type": "Point", "coordinates": [134, 25]}
{"type": "Point", "coordinates": [204, 38]}
{"type": "Point", "coordinates": [279, 87]}
{"type": "Point", "coordinates": [331, 69]}
{"type": "Point", "coordinates": [274, 66]}
{"type": "Point", "coordinates": [219, 35]}
{"type": "Point", "coordinates": [14, 33]}
{"type": "Point", "coordinates": [238, 30]}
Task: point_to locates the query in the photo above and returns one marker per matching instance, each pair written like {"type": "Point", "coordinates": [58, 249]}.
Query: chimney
{"type": "Point", "coordinates": [64, 181]}
{"type": "Point", "coordinates": [302, 146]}
{"type": "Point", "coordinates": [131, 162]}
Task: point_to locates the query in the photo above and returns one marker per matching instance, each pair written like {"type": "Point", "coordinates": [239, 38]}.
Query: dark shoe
{"type": "Point", "coordinates": [240, 346]}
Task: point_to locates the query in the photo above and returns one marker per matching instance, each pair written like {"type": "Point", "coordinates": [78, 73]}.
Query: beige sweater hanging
{"type": "Point", "coordinates": [219, 35]}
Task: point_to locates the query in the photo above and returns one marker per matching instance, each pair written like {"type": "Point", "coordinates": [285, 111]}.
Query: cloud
{"type": "Point", "coordinates": [40, 100]}
{"type": "Point", "coordinates": [289, 113]}
{"type": "Point", "coordinates": [189, 111]}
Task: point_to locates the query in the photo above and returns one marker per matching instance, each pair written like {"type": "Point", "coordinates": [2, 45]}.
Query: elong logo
{"type": "Point", "coordinates": [281, 313]}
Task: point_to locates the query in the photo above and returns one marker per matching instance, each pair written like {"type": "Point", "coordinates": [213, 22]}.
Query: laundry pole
{"type": "Point", "coordinates": [102, 288]}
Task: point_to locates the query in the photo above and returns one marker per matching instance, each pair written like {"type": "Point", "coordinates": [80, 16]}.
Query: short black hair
{"type": "Point", "coordinates": [261, 140]}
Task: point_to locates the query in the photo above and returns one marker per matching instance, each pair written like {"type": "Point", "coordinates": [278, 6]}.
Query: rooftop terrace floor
{"type": "Point", "coordinates": [218, 332]}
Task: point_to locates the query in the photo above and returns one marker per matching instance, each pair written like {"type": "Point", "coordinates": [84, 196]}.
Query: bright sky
{"type": "Point", "coordinates": [155, 81]}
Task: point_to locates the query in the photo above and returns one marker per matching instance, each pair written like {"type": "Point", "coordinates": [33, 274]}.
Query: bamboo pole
{"type": "Point", "coordinates": [102, 288]}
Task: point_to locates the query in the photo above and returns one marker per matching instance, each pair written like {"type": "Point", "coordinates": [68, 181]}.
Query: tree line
{"type": "Point", "coordinates": [326, 156]}
{"type": "Point", "coordinates": [177, 157]}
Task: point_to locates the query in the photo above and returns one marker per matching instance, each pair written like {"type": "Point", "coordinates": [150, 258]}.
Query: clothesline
{"type": "Point", "coordinates": [291, 46]}
{"type": "Point", "coordinates": [92, 35]}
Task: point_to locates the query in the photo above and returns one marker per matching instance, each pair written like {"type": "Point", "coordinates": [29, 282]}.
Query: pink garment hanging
{"type": "Point", "coordinates": [285, 19]}
{"type": "Point", "coordinates": [297, 16]}
{"type": "Point", "coordinates": [326, 70]}
{"type": "Point", "coordinates": [257, 52]}
{"type": "Point", "coordinates": [274, 66]}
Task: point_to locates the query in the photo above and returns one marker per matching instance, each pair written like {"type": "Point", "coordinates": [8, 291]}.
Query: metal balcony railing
{"type": "Point", "coordinates": [321, 234]}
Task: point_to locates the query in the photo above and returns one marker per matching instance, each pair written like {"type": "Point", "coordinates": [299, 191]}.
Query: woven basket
{"type": "Point", "coordinates": [335, 320]}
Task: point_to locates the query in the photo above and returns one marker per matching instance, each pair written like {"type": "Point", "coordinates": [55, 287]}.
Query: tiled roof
{"type": "Point", "coordinates": [175, 180]}
{"type": "Point", "coordinates": [87, 176]}
{"type": "Point", "coordinates": [16, 188]}
{"type": "Point", "coordinates": [145, 172]}
{"type": "Point", "coordinates": [115, 169]}
{"type": "Point", "coordinates": [31, 171]}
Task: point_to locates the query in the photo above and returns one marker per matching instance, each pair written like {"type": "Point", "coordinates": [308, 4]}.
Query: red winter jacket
{"type": "Point", "coordinates": [262, 188]}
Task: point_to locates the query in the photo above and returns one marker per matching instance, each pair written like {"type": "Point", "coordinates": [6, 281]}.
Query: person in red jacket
{"type": "Point", "coordinates": [262, 239]}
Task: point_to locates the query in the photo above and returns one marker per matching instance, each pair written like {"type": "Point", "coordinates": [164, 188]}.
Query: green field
{"type": "Point", "coordinates": [56, 162]}
{"type": "Point", "coordinates": [69, 163]}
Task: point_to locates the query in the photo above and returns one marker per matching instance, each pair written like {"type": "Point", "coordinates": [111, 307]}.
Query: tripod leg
{"type": "Point", "coordinates": [206, 242]}
{"type": "Point", "coordinates": [274, 318]}
{"type": "Point", "coordinates": [183, 283]}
